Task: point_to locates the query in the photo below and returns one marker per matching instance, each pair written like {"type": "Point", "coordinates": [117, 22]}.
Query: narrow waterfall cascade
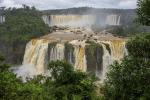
{"type": "Point", "coordinates": [36, 54]}
{"type": "Point", "coordinates": [69, 20]}
{"type": "Point", "coordinates": [2, 19]}
{"type": "Point", "coordinates": [107, 60]}
{"type": "Point", "coordinates": [80, 60]}
{"type": "Point", "coordinates": [79, 54]}
{"type": "Point", "coordinates": [113, 20]}
{"type": "Point", "coordinates": [56, 52]}
{"type": "Point", "coordinates": [47, 20]}
{"type": "Point", "coordinates": [116, 48]}
{"type": "Point", "coordinates": [69, 53]}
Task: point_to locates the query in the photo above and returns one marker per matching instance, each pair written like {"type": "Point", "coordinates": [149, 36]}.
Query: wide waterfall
{"type": "Point", "coordinates": [82, 20]}
{"type": "Point", "coordinates": [69, 20]}
{"type": "Point", "coordinates": [94, 56]}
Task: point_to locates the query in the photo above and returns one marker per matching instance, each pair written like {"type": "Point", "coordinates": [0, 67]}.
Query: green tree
{"type": "Point", "coordinates": [130, 79]}
{"type": "Point", "coordinates": [8, 82]}
{"type": "Point", "coordinates": [33, 89]}
{"type": "Point", "coordinates": [143, 12]}
{"type": "Point", "coordinates": [12, 88]}
{"type": "Point", "coordinates": [69, 84]}
{"type": "Point", "coordinates": [139, 46]}
{"type": "Point", "coordinates": [22, 24]}
{"type": "Point", "coordinates": [63, 84]}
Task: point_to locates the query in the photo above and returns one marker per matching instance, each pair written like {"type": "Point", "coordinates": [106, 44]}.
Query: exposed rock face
{"type": "Point", "coordinates": [92, 53]}
{"type": "Point", "coordinates": [13, 53]}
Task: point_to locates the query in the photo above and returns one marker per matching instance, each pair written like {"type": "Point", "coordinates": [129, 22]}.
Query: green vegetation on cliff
{"type": "Point", "coordinates": [21, 25]}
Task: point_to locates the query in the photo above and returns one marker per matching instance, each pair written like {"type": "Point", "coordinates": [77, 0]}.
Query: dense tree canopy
{"type": "Point", "coordinates": [63, 84]}
{"type": "Point", "coordinates": [139, 46]}
{"type": "Point", "coordinates": [143, 12]}
{"type": "Point", "coordinates": [23, 24]}
{"type": "Point", "coordinates": [71, 84]}
{"type": "Point", "coordinates": [130, 79]}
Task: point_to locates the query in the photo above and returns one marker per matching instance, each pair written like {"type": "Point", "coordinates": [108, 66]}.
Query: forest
{"type": "Point", "coordinates": [21, 25]}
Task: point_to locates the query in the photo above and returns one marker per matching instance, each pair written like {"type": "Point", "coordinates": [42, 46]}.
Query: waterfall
{"type": "Point", "coordinates": [80, 59]}
{"type": "Point", "coordinates": [113, 20]}
{"type": "Point", "coordinates": [113, 50]}
{"type": "Point", "coordinates": [79, 54]}
{"type": "Point", "coordinates": [107, 60]}
{"type": "Point", "coordinates": [2, 19]}
{"type": "Point", "coordinates": [92, 57]}
{"type": "Point", "coordinates": [46, 20]}
{"type": "Point", "coordinates": [36, 54]}
{"type": "Point", "coordinates": [69, 20]}
{"type": "Point", "coordinates": [57, 52]}
{"type": "Point", "coordinates": [117, 48]}
{"type": "Point", "coordinates": [69, 53]}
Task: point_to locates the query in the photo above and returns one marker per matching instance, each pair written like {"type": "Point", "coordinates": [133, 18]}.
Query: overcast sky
{"type": "Point", "coordinates": [58, 4]}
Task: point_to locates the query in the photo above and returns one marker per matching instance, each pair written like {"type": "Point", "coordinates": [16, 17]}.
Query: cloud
{"type": "Point", "coordinates": [128, 4]}
{"type": "Point", "coordinates": [9, 3]}
{"type": "Point", "coordinates": [59, 4]}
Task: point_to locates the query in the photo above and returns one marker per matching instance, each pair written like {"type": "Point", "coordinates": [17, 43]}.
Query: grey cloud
{"type": "Point", "coordinates": [58, 4]}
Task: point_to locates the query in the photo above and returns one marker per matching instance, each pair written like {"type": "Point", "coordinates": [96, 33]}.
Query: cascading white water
{"type": "Point", "coordinates": [40, 51]}
{"type": "Point", "coordinates": [35, 59]}
{"type": "Point", "coordinates": [57, 52]}
{"type": "Point", "coordinates": [107, 60]}
{"type": "Point", "coordinates": [46, 20]}
{"type": "Point", "coordinates": [69, 20]}
{"type": "Point", "coordinates": [2, 19]}
{"type": "Point", "coordinates": [113, 20]}
{"type": "Point", "coordinates": [80, 59]}
{"type": "Point", "coordinates": [79, 54]}
{"type": "Point", "coordinates": [36, 54]}
{"type": "Point", "coordinates": [117, 52]}
{"type": "Point", "coordinates": [118, 49]}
